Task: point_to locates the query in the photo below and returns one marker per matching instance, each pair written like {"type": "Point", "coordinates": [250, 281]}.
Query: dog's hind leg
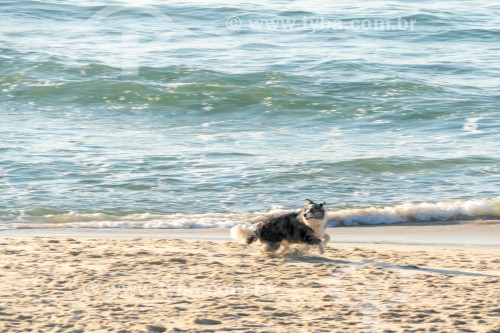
{"type": "Point", "coordinates": [270, 247]}
{"type": "Point", "coordinates": [285, 246]}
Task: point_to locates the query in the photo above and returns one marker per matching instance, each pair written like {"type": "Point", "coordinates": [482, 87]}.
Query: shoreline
{"type": "Point", "coordinates": [453, 233]}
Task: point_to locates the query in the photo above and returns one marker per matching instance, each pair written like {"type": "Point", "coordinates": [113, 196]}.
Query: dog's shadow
{"type": "Point", "coordinates": [305, 254]}
{"type": "Point", "coordinates": [302, 257]}
{"type": "Point", "coordinates": [314, 259]}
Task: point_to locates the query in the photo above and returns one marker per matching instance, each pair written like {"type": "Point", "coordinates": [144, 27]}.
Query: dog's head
{"type": "Point", "coordinates": [313, 210]}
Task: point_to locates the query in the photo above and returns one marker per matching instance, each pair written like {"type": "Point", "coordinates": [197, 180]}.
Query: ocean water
{"type": "Point", "coordinates": [146, 114]}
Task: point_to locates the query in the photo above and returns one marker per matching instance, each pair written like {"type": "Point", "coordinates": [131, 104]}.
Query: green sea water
{"type": "Point", "coordinates": [148, 114]}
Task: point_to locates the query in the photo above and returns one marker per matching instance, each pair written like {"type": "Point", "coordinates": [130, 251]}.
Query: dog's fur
{"type": "Point", "coordinates": [304, 226]}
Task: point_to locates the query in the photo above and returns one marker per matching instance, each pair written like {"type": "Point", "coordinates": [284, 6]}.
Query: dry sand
{"type": "Point", "coordinates": [86, 284]}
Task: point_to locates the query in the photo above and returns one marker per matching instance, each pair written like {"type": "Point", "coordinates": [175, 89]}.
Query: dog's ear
{"type": "Point", "coordinates": [321, 204]}
{"type": "Point", "coordinates": [310, 201]}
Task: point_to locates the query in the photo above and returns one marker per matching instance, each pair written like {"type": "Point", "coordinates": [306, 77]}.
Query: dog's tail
{"type": "Point", "coordinates": [244, 233]}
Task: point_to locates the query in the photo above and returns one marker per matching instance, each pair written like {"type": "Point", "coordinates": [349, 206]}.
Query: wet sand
{"type": "Point", "coordinates": [463, 233]}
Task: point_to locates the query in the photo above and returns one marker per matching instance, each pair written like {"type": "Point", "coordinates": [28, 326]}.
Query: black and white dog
{"type": "Point", "coordinates": [303, 226]}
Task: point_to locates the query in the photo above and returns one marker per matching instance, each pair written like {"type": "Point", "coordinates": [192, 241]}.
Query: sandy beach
{"type": "Point", "coordinates": [128, 284]}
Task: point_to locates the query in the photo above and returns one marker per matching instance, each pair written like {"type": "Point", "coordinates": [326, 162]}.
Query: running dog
{"type": "Point", "coordinates": [303, 226]}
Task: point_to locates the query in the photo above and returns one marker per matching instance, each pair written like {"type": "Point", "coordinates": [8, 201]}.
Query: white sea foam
{"type": "Point", "coordinates": [419, 212]}
{"type": "Point", "coordinates": [138, 221]}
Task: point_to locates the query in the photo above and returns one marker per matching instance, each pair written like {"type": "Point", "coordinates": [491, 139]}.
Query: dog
{"type": "Point", "coordinates": [303, 226]}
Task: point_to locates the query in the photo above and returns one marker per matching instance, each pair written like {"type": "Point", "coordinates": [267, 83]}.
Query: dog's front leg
{"type": "Point", "coordinates": [322, 247]}
{"type": "Point", "coordinates": [324, 240]}
{"type": "Point", "coordinates": [314, 240]}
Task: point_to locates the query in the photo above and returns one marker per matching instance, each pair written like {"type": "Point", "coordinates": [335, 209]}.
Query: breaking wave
{"type": "Point", "coordinates": [410, 212]}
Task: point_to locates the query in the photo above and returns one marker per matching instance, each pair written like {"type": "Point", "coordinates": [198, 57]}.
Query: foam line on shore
{"type": "Point", "coordinates": [404, 213]}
